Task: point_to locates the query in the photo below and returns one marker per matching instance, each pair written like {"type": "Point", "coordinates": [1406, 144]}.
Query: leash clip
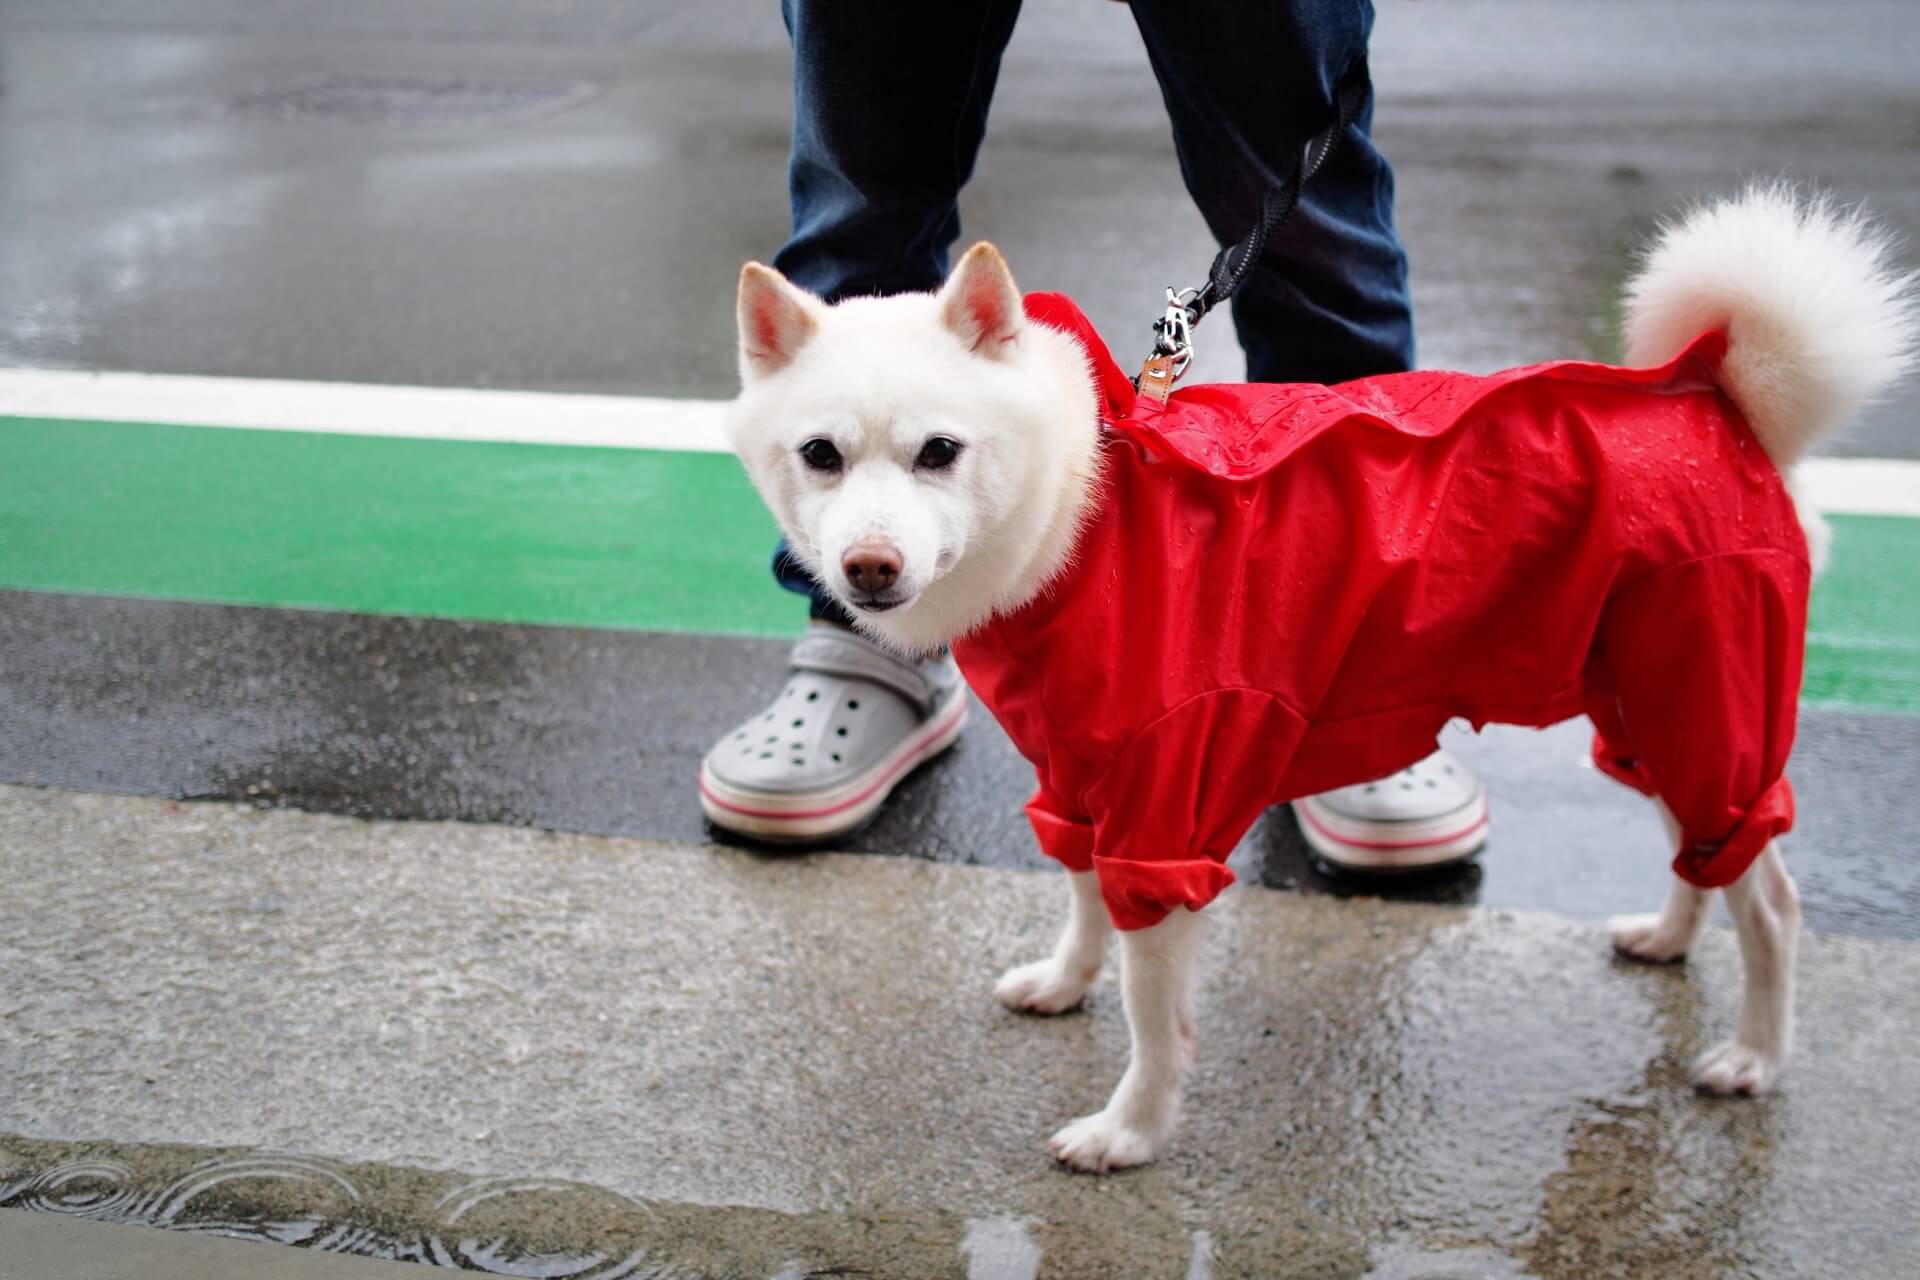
{"type": "Point", "coordinates": [1173, 332]}
{"type": "Point", "coordinates": [1172, 346]}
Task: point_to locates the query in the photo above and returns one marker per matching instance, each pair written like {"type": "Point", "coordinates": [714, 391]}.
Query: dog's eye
{"type": "Point", "coordinates": [820, 455]}
{"type": "Point", "coordinates": [938, 454]}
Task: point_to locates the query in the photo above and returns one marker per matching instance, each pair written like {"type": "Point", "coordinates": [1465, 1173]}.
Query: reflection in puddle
{"type": "Point", "coordinates": [489, 1225]}
{"type": "Point", "coordinates": [80, 1188]}
{"type": "Point", "coordinates": [1200, 1266]}
{"type": "Point", "coordinates": [1408, 1262]}
{"type": "Point", "coordinates": [496, 1204]}
{"type": "Point", "coordinates": [220, 1198]}
{"type": "Point", "coordinates": [999, 1249]}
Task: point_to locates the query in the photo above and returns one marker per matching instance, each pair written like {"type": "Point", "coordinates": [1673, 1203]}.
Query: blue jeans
{"type": "Point", "coordinates": [890, 105]}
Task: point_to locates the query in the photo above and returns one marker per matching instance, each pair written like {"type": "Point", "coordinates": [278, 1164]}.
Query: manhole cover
{"type": "Point", "coordinates": [412, 99]}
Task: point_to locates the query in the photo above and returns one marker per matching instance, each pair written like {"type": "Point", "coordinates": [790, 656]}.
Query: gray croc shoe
{"type": "Point", "coordinates": [853, 720]}
{"type": "Point", "coordinates": [1420, 818]}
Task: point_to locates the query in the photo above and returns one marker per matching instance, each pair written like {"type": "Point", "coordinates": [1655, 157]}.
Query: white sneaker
{"type": "Point", "coordinates": [1428, 816]}
{"type": "Point", "coordinates": [853, 721]}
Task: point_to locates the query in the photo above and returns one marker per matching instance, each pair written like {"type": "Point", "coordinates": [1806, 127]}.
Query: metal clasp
{"type": "Point", "coordinates": [1173, 332]}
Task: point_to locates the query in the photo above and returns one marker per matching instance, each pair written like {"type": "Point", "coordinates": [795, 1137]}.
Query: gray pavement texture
{"type": "Point", "coordinates": [559, 195]}
{"type": "Point", "coordinates": [602, 732]}
{"type": "Point", "coordinates": [512, 1046]}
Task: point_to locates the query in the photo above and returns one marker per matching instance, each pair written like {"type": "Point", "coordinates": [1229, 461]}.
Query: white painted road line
{"type": "Point", "coordinates": [1843, 486]}
{"type": "Point", "coordinates": [351, 408]}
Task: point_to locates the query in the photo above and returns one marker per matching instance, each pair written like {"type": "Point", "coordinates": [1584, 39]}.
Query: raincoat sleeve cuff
{"type": "Point", "coordinates": [1717, 866]}
{"type": "Point", "coordinates": [1065, 840]}
{"type": "Point", "coordinates": [1140, 895]}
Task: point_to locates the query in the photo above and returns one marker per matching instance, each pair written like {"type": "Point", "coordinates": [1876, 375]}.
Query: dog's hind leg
{"type": "Point", "coordinates": [1704, 659]}
{"type": "Point", "coordinates": [1157, 971]}
{"type": "Point", "coordinates": [1060, 982]}
{"type": "Point", "coordinates": [1766, 914]}
{"type": "Point", "coordinates": [1665, 936]}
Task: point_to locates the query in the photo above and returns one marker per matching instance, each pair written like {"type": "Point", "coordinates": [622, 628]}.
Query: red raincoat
{"type": "Point", "coordinates": [1286, 588]}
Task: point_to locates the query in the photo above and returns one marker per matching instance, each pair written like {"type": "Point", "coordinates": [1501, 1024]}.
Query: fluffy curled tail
{"type": "Point", "coordinates": [1818, 320]}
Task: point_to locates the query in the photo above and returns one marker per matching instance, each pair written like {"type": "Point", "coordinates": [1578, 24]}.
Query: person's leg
{"type": "Point", "coordinates": [1245, 86]}
{"type": "Point", "coordinates": [890, 105]}
{"type": "Point", "coordinates": [792, 575]}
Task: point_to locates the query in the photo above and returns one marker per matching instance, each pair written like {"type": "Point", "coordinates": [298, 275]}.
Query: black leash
{"type": "Point", "coordinates": [1173, 332]}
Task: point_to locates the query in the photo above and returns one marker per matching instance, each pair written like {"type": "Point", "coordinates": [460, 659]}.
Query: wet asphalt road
{"type": "Point", "coordinates": [601, 732]}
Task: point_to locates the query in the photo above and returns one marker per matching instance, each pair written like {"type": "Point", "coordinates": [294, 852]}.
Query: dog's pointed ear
{"type": "Point", "coordinates": [776, 320]}
{"type": "Point", "coordinates": [981, 304]}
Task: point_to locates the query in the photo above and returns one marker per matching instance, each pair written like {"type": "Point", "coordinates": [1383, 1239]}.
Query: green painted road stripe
{"type": "Point", "coordinates": [631, 538]}
{"type": "Point", "coordinates": [1863, 636]}
{"type": "Point", "coordinates": [646, 539]}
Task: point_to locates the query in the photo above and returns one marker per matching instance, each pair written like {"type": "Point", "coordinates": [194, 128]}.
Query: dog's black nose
{"type": "Point", "coordinates": [871, 567]}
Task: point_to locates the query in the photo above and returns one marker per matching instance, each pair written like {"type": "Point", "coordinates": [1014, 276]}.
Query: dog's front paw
{"type": "Point", "coordinates": [1739, 1068]}
{"type": "Point", "coordinates": [1045, 986]}
{"type": "Point", "coordinates": [1651, 937]}
{"type": "Point", "coordinates": [1103, 1142]}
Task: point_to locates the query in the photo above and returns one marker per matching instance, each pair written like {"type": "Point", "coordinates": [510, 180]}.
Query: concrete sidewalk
{"type": "Point", "coordinates": [554, 1055]}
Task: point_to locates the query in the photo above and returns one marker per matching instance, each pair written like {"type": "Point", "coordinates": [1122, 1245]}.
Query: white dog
{"type": "Point", "coordinates": [955, 471]}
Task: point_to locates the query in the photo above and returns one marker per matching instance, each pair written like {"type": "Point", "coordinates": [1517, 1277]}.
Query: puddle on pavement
{"type": "Point", "coordinates": [531, 1227]}
{"type": "Point", "coordinates": [559, 1230]}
